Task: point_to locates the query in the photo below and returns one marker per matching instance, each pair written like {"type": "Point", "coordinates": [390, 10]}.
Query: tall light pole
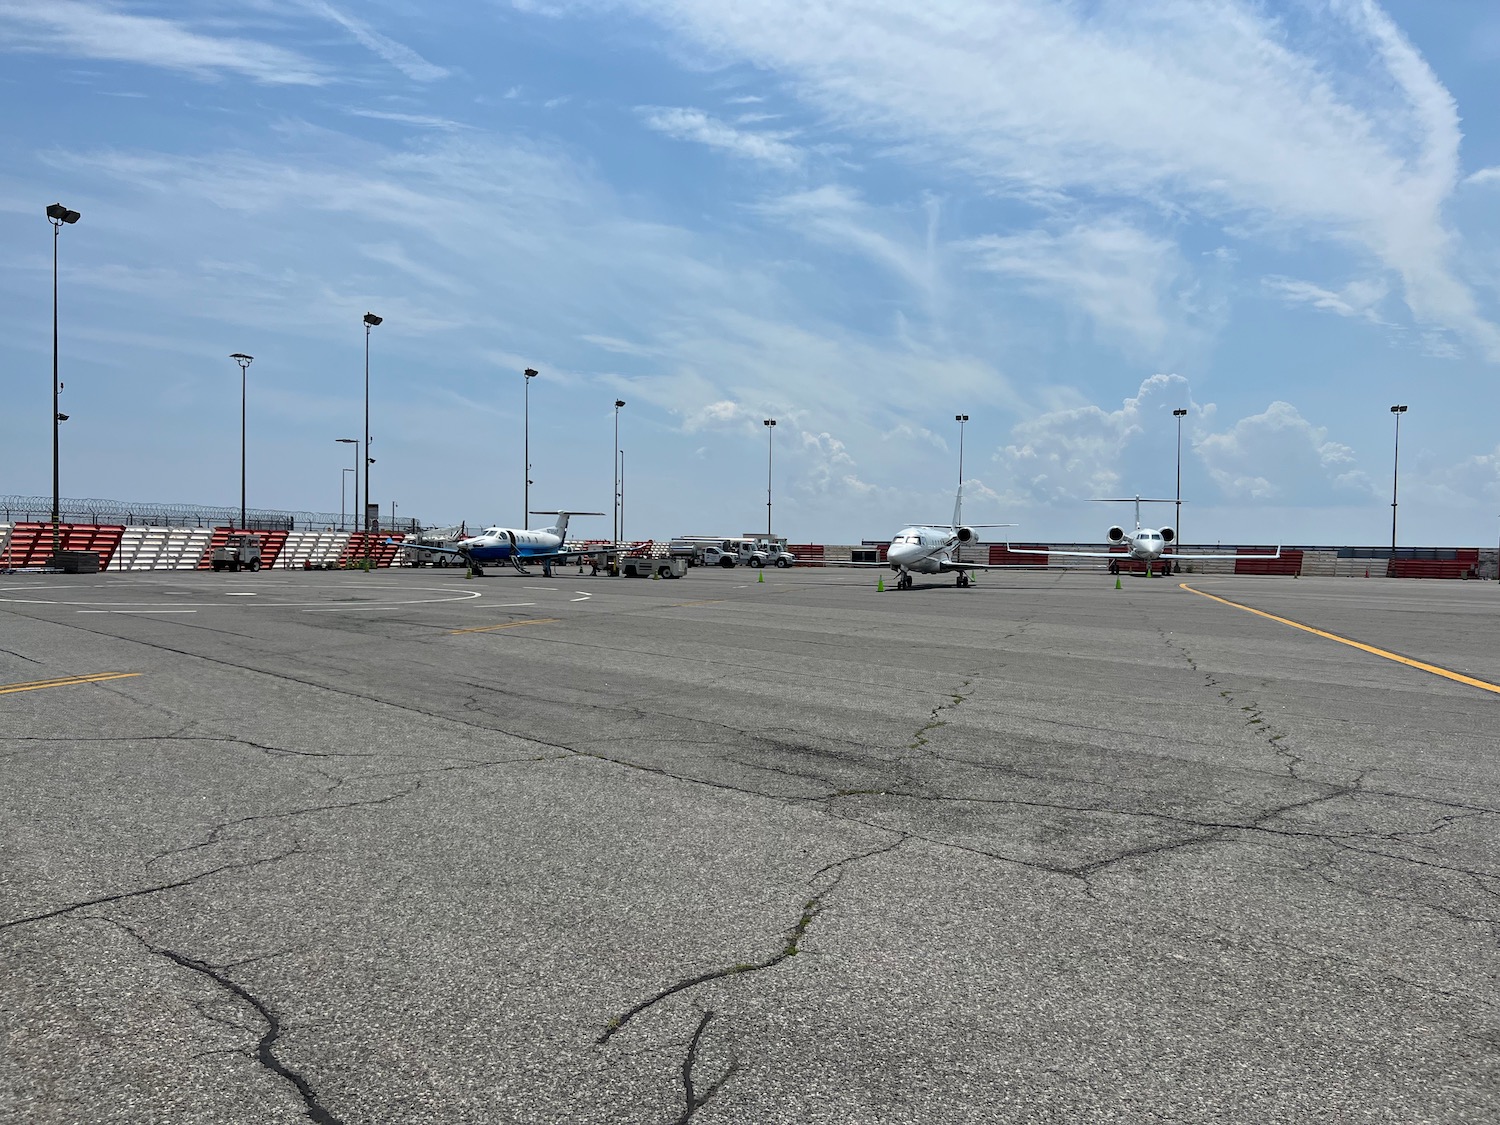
{"type": "Point", "coordinates": [371, 320]}
{"type": "Point", "coordinates": [770, 425]}
{"type": "Point", "coordinates": [58, 215]}
{"type": "Point", "coordinates": [343, 480]}
{"type": "Point", "coordinates": [1395, 478]}
{"type": "Point", "coordinates": [619, 402]}
{"type": "Point", "coordinates": [1179, 414]}
{"type": "Point", "coordinates": [244, 361]}
{"type": "Point", "coordinates": [622, 495]}
{"type": "Point", "coordinates": [354, 442]}
{"type": "Point", "coordinates": [528, 375]}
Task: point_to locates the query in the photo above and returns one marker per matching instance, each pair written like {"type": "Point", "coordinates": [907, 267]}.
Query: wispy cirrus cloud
{"type": "Point", "coordinates": [403, 58]}
{"type": "Point", "coordinates": [95, 31]}
{"type": "Point", "coordinates": [1226, 111]}
{"type": "Point", "coordinates": [695, 125]}
{"type": "Point", "coordinates": [1360, 298]}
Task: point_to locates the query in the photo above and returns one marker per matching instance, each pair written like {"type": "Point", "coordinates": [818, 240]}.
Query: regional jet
{"type": "Point", "coordinates": [933, 549]}
{"type": "Point", "coordinates": [1144, 544]}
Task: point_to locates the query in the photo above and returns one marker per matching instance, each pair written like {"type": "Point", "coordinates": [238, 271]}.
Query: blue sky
{"type": "Point", "coordinates": [860, 217]}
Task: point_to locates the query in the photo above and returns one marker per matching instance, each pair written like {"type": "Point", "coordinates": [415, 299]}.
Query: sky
{"type": "Point", "coordinates": [862, 218]}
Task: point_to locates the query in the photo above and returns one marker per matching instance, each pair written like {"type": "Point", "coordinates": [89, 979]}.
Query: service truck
{"type": "Point", "coordinates": [239, 552]}
{"type": "Point", "coordinates": [728, 551]}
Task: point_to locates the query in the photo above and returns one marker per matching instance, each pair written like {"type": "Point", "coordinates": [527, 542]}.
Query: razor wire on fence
{"type": "Point", "coordinates": [38, 509]}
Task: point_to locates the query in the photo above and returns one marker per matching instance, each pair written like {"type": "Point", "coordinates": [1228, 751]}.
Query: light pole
{"type": "Point", "coordinates": [354, 442]}
{"type": "Point", "coordinates": [770, 425]}
{"type": "Point", "coordinates": [1179, 414]}
{"type": "Point", "coordinates": [1395, 478]}
{"type": "Point", "coordinates": [244, 361]}
{"type": "Point", "coordinates": [622, 495]}
{"type": "Point", "coordinates": [371, 320]}
{"type": "Point", "coordinates": [58, 215]}
{"type": "Point", "coordinates": [529, 374]}
{"type": "Point", "coordinates": [343, 480]}
{"type": "Point", "coordinates": [619, 402]}
{"type": "Point", "coordinates": [393, 515]}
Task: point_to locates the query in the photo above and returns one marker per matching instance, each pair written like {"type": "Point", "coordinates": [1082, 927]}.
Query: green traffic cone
{"type": "Point", "coordinates": [1117, 582]}
{"type": "Point", "coordinates": [762, 577]}
{"type": "Point", "coordinates": [880, 584]}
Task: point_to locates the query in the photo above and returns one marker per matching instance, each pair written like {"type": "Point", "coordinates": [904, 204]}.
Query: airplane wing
{"type": "Point", "coordinates": [1169, 554]}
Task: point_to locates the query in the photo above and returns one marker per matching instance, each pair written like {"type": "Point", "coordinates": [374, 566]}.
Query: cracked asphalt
{"type": "Point", "coordinates": [350, 849]}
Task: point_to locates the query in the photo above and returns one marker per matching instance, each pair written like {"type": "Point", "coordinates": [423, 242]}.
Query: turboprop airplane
{"type": "Point", "coordinates": [1144, 544]}
{"type": "Point", "coordinates": [518, 546]}
{"type": "Point", "coordinates": [932, 548]}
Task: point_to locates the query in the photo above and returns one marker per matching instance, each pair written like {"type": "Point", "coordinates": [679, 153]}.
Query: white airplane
{"type": "Point", "coordinates": [1144, 544]}
{"type": "Point", "coordinates": [518, 546]}
{"type": "Point", "coordinates": [932, 548]}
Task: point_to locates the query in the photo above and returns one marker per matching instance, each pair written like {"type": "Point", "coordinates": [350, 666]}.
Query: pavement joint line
{"type": "Point", "coordinates": [710, 601]}
{"type": "Point", "coordinates": [66, 681]}
{"type": "Point", "coordinates": [508, 625]}
{"type": "Point", "coordinates": [1420, 665]}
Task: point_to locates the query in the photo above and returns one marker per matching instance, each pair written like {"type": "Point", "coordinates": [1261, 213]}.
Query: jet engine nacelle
{"type": "Point", "coordinates": [1167, 535]}
{"type": "Point", "coordinates": [1116, 534]}
{"type": "Point", "coordinates": [964, 534]}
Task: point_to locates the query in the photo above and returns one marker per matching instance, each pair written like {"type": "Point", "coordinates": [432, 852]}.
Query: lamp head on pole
{"type": "Point", "coordinates": [347, 440]}
{"type": "Point", "coordinates": [960, 417]}
{"type": "Point", "coordinates": [1398, 410]}
{"type": "Point", "coordinates": [372, 320]}
{"type": "Point", "coordinates": [1178, 413]}
{"type": "Point", "coordinates": [531, 373]}
{"type": "Point", "coordinates": [60, 214]}
{"type": "Point", "coordinates": [769, 422]}
{"type": "Point", "coordinates": [619, 402]}
{"type": "Point", "coordinates": [242, 359]}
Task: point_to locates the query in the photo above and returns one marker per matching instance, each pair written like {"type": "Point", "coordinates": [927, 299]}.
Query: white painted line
{"type": "Point", "coordinates": [136, 611]}
{"type": "Point", "coordinates": [238, 594]}
{"type": "Point", "coordinates": [549, 589]}
{"type": "Point", "coordinates": [583, 596]}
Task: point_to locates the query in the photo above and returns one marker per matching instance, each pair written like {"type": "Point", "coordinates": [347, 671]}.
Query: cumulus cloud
{"type": "Point", "coordinates": [1083, 451]}
{"type": "Point", "coordinates": [1278, 456]}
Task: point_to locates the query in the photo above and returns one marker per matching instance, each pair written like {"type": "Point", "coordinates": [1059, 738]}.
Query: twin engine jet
{"type": "Point", "coordinates": [1144, 544]}
{"type": "Point", "coordinates": [933, 548]}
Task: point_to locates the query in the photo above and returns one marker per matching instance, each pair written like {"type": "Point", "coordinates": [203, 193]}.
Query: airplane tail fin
{"type": "Point", "coordinates": [958, 506]}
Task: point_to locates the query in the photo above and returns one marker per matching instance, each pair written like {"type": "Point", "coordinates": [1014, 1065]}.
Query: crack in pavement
{"type": "Point", "coordinates": [264, 1049]}
{"type": "Point", "coordinates": [295, 849]}
{"type": "Point", "coordinates": [694, 1100]}
{"type": "Point", "coordinates": [790, 946]}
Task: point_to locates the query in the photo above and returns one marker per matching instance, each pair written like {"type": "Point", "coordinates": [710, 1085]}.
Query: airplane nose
{"type": "Point", "coordinates": [901, 555]}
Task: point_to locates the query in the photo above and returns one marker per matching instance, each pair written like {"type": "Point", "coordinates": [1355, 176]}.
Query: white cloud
{"type": "Point", "coordinates": [1122, 277]}
{"type": "Point", "coordinates": [1278, 456]}
{"type": "Point", "coordinates": [1357, 299]}
{"type": "Point", "coordinates": [695, 125]}
{"type": "Point", "coordinates": [1219, 110]}
{"type": "Point", "coordinates": [1484, 176]}
{"type": "Point", "coordinates": [94, 31]}
{"type": "Point", "coordinates": [403, 58]}
{"type": "Point", "coordinates": [420, 120]}
{"type": "Point", "coordinates": [1082, 451]}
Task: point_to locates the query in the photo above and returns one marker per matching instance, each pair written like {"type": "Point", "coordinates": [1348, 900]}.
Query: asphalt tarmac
{"type": "Point", "coordinates": [407, 847]}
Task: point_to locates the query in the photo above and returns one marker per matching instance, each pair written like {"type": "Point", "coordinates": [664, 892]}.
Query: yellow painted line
{"type": "Point", "coordinates": [508, 625]}
{"type": "Point", "coordinates": [1447, 674]}
{"type": "Point", "coordinates": [65, 681]}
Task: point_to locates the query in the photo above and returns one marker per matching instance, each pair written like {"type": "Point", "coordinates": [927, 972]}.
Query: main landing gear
{"type": "Point", "coordinates": [963, 579]}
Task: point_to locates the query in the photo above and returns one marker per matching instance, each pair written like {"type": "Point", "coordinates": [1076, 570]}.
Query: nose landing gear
{"type": "Point", "coordinates": [904, 582]}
